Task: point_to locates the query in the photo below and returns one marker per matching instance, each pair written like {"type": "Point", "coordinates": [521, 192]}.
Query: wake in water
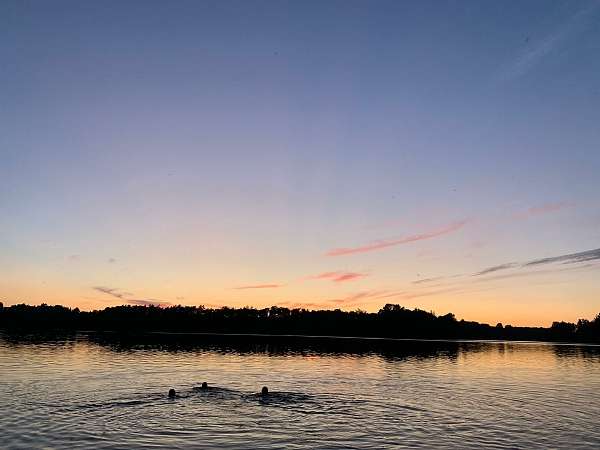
{"type": "Point", "coordinates": [215, 393]}
{"type": "Point", "coordinates": [277, 398]}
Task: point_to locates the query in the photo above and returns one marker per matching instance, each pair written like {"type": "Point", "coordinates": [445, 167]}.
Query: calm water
{"type": "Point", "coordinates": [89, 392]}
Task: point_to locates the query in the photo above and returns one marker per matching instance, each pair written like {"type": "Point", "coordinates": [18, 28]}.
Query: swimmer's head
{"type": "Point", "coordinates": [264, 390]}
{"type": "Point", "coordinates": [204, 385]}
{"type": "Point", "coordinates": [172, 393]}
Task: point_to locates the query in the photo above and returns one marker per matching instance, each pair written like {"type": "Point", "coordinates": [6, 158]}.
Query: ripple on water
{"type": "Point", "coordinates": [83, 394]}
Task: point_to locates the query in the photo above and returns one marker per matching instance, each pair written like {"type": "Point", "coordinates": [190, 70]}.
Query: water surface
{"type": "Point", "coordinates": [87, 391]}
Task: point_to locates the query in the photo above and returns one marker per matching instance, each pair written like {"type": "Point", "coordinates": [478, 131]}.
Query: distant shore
{"type": "Point", "coordinates": [390, 322]}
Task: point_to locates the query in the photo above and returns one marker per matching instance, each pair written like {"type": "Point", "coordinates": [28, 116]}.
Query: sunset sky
{"type": "Point", "coordinates": [441, 155]}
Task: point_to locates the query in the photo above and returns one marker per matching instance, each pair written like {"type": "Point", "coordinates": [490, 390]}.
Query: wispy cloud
{"type": "Point", "coordinates": [126, 296]}
{"type": "Point", "coordinates": [533, 53]}
{"type": "Point", "coordinates": [259, 286]}
{"type": "Point", "coordinates": [381, 244]}
{"type": "Point", "coordinates": [428, 280]}
{"type": "Point", "coordinates": [349, 301]}
{"type": "Point", "coordinates": [409, 295]}
{"type": "Point", "coordinates": [305, 305]}
{"type": "Point", "coordinates": [496, 268]}
{"type": "Point", "coordinates": [359, 296]}
{"type": "Point", "coordinates": [535, 273]}
{"type": "Point", "coordinates": [110, 291]}
{"type": "Point", "coordinates": [339, 277]}
{"type": "Point", "coordinates": [571, 258]}
{"type": "Point", "coordinates": [434, 279]}
{"type": "Point", "coordinates": [543, 209]}
{"type": "Point", "coordinates": [148, 302]}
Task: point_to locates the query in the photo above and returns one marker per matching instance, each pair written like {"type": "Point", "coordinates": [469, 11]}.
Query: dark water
{"type": "Point", "coordinates": [87, 391]}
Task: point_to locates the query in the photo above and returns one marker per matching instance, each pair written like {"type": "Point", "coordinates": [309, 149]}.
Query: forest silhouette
{"type": "Point", "coordinates": [391, 321]}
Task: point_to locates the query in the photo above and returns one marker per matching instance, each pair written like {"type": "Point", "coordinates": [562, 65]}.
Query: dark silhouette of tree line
{"type": "Point", "coordinates": [391, 321]}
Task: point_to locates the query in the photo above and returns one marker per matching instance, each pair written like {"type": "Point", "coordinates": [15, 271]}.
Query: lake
{"type": "Point", "coordinates": [89, 391]}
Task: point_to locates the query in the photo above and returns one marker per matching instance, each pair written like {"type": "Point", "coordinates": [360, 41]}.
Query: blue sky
{"type": "Point", "coordinates": [174, 151]}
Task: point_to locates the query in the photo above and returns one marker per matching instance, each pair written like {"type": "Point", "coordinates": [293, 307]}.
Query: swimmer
{"type": "Point", "coordinates": [264, 391]}
{"type": "Point", "coordinates": [172, 393]}
{"type": "Point", "coordinates": [204, 385]}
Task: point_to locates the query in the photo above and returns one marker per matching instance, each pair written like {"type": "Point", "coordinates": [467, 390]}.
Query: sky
{"type": "Point", "coordinates": [443, 155]}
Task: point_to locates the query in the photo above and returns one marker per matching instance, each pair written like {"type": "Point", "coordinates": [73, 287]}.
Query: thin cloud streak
{"type": "Point", "coordinates": [571, 258]}
{"type": "Point", "coordinates": [428, 280]}
{"type": "Point", "coordinates": [149, 302]}
{"type": "Point", "coordinates": [356, 297]}
{"type": "Point", "coordinates": [259, 286]}
{"type": "Point", "coordinates": [496, 268]}
{"type": "Point", "coordinates": [534, 54]}
{"type": "Point", "coordinates": [305, 305]}
{"type": "Point", "coordinates": [543, 209]}
{"type": "Point", "coordinates": [434, 279]}
{"type": "Point", "coordinates": [110, 291]}
{"type": "Point", "coordinates": [125, 296]}
{"type": "Point", "coordinates": [339, 277]}
{"type": "Point", "coordinates": [349, 301]}
{"type": "Point", "coordinates": [381, 244]}
{"type": "Point", "coordinates": [530, 273]}
{"type": "Point", "coordinates": [413, 295]}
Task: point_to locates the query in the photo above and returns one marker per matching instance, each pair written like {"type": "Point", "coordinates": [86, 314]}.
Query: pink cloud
{"type": "Point", "coordinates": [543, 209]}
{"type": "Point", "coordinates": [358, 297]}
{"type": "Point", "coordinates": [339, 277]}
{"type": "Point", "coordinates": [259, 286]}
{"type": "Point", "coordinates": [379, 245]}
{"type": "Point", "coordinates": [366, 294]}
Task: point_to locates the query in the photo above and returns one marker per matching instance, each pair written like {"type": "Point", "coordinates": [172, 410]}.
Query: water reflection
{"type": "Point", "coordinates": [244, 344]}
{"type": "Point", "coordinates": [591, 352]}
{"type": "Point", "coordinates": [389, 349]}
{"type": "Point", "coordinates": [102, 390]}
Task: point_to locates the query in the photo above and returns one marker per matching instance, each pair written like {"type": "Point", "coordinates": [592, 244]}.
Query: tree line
{"type": "Point", "coordinates": [391, 321]}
